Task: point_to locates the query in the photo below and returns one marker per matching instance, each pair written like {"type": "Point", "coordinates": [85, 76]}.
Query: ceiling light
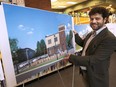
{"type": "Point", "coordinates": [53, 0]}
{"type": "Point", "coordinates": [62, 6]}
{"type": "Point", "coordinates": [110, 5]}
{"type": "Point", "coordinates": [71, 2]}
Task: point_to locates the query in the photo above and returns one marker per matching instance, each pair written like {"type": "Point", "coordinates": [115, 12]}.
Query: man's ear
{"type": "Point", "coordinates": [106, 20]}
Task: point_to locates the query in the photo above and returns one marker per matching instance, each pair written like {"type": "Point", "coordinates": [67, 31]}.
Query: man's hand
{"type": "Point", "coordinates": [66, 57]}
{"type": "Point", "coordinates": [74, 31]}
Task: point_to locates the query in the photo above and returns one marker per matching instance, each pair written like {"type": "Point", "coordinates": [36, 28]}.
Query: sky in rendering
{"type": "Point", "coordinates": [29, 25]}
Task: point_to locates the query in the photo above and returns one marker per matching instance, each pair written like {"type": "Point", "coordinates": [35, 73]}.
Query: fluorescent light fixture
{"type": "Point", "coordinates": [61, 6]}
{"type": "Point", "coordinates": [110, 5]}
{"type": "Point", "coordinates": [53, 0]}
{"type": "Point", "coordinates": [71, 2]}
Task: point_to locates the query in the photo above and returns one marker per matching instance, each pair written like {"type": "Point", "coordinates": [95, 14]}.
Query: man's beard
{"type": "Point", "coordinates": [95, 26]}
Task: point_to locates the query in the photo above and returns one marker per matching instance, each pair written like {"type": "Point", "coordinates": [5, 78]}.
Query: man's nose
{"type": "Point", "coordinates": [94, 20]}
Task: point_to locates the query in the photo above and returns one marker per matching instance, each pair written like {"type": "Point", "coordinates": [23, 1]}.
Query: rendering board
{"type": "Point", "coordinates": [34, 40]}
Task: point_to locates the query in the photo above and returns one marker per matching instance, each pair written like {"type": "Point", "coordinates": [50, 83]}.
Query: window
{"type": "Point", "coordinates": [55, 39]}
{"type": "Point", "coordinates": [49, 41]}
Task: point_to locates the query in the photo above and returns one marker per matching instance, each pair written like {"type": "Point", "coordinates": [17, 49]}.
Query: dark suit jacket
{"type": "Point", "coordinates": [97, 57]}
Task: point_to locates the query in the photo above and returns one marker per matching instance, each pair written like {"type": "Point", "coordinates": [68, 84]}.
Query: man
{"type": "Point", "coordinates": [97, 49]}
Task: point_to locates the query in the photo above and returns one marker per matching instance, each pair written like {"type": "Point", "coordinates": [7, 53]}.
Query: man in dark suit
{"type": "Point", "coordinates": [97, 49]}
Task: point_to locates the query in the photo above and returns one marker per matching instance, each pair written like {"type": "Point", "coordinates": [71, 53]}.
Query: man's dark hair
{"type": "Point", "coordinates": [100, 10]}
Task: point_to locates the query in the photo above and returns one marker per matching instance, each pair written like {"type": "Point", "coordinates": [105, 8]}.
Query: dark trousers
{"type": "Point", "coordinates": [85, 78]}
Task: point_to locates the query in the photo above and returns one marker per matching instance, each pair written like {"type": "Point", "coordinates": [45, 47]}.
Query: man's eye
{"type": "Point", "coordinates": [97, 18]}
{"type": "Point", "coordinates": [94, 19]}
{"type": "Point", "coordinates": [91, 19]}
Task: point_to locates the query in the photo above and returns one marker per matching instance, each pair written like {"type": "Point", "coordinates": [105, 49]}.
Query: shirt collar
{"type": "Point", "coordinates": [98, 31]}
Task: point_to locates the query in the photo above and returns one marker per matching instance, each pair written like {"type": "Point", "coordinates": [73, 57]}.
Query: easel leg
{"type": "Point", "coordinates": [3, 83]}
{"type": "Point", "coordinates": [60, 76]}
{"type": "Point", "coordinates": [73, 76]}
{"type": "Point", "coordinates": [23, 84]}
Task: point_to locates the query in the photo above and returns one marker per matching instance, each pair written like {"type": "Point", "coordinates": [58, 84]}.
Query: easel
{"type": "Point", "coordinates": [73, 79]}
{"type": "Point", "coordinates": [2, 81]}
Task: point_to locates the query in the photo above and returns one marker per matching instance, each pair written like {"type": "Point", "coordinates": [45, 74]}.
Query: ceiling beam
{"type": "Point", "coordinates": [86, 4]}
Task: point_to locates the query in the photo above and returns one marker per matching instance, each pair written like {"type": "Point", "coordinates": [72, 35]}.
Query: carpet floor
{"type": "Point", "coordinates": [63, 78]}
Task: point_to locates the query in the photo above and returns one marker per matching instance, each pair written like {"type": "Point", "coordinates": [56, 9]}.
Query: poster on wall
{"type": "Point", "coordinates": [112, 27]}
{"type": "Point", "coordinates": [83, 30]}
{"type": "Point", "coordinates": [35, 38]}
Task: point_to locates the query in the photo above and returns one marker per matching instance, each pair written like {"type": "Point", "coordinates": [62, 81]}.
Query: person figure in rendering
{"type": "Point", "coordinates": [98, 46]}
